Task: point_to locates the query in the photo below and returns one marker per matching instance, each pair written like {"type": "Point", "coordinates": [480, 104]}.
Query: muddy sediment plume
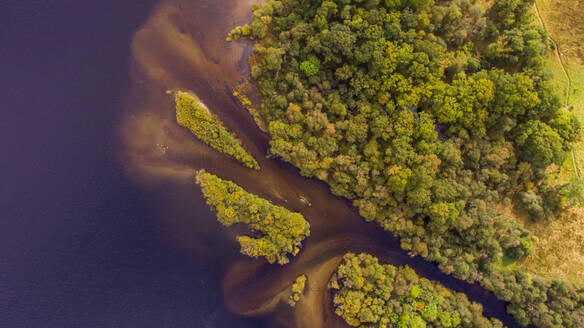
{"type": "Point", "coordinates": [182, 47]}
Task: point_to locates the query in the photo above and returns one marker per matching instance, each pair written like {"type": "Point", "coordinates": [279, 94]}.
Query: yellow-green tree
{"type": "Point", "coordinates": [371, 294]}
{"type": "Point", "coordinates": [297, 289]}
{"type": "Point", "coordinates": [190, 114]}
{"type": "Point", "coordinates": [282, 231]}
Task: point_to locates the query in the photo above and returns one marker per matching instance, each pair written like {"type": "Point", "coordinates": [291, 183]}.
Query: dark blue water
{"type": "Point", "coordinates": [79, 244]}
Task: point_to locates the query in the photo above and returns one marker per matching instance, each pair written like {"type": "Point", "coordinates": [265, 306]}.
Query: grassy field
{"type": "Point", "coordinates": [576, 103]}
{"type": "Point", "coordinates": [563, 19]}
{"type": "Point", "coordinates": [560, 251]}
{"type": "Point", "coordinates": [576, 71]}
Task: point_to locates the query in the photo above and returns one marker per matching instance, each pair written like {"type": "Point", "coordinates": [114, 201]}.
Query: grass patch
{"type": "Point", "coordinates": [563, 19]}
{"type": "Point", "coordinates": [576, 105]}
{"type": "Point", "coordinates": [560, 250]}
{"type": "Point", "coordinates": [507, 262]}
{"type": "Point", "coordinates": [576, 100]}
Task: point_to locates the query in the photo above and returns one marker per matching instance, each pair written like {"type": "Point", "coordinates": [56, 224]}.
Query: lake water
{"type": "Point", "coordinates": [81, 245]}
{"type": "Point", "coordinates": [102, 224]}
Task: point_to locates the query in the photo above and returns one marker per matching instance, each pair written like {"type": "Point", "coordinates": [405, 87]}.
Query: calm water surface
{"type": "Point", "coordinates": [80, 245]}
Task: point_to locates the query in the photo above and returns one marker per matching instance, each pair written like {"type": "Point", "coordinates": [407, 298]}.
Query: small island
{"type": "Point", "coordinates": [206, 127]}
{"type": "Point", "coordinates": [281, 230]}
{"type": "Point", "coordinates": [370, 294]}
{"type": "Point", "coordinates": [296, 290]}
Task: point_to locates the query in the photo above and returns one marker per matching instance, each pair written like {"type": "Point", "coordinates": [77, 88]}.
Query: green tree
{"type": "Point", "coordinates": [282, 230]}
{"type": "Point", "coordinates": [206, 127]}
{"type": "Point", "coordinates": [539, 144]}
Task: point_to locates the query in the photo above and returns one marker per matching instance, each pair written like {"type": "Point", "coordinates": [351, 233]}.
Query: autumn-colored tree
{"type": "Point", "coordinates": [282, 231]}
{"type": "Point", "coordinates": [370, 294]}
{"type": "Point", "coordinates": [206, 127]}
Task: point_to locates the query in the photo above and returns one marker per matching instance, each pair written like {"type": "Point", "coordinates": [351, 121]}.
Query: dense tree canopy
{"type": "Point", "coordinates": [206, 127]}
{"type": "Point", "coordinates": [370, 294]}
{"type": "Point", "coordinates": [277, 231]}
{"type": "Point", "coordinates": [428, 116]}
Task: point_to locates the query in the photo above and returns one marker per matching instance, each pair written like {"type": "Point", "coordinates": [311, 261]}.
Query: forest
{"type": "Point", "coordinates": [207, 128]}
{"type": "Point", "coordinates": [436, 119]}
{"type": "Point", "coordinates": [370, 294]}
{"type": "Point", "coordinates": [275, 231]}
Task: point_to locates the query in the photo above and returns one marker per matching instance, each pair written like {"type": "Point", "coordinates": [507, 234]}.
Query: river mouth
{"type": "Point", "coordinates": [182, 47]}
